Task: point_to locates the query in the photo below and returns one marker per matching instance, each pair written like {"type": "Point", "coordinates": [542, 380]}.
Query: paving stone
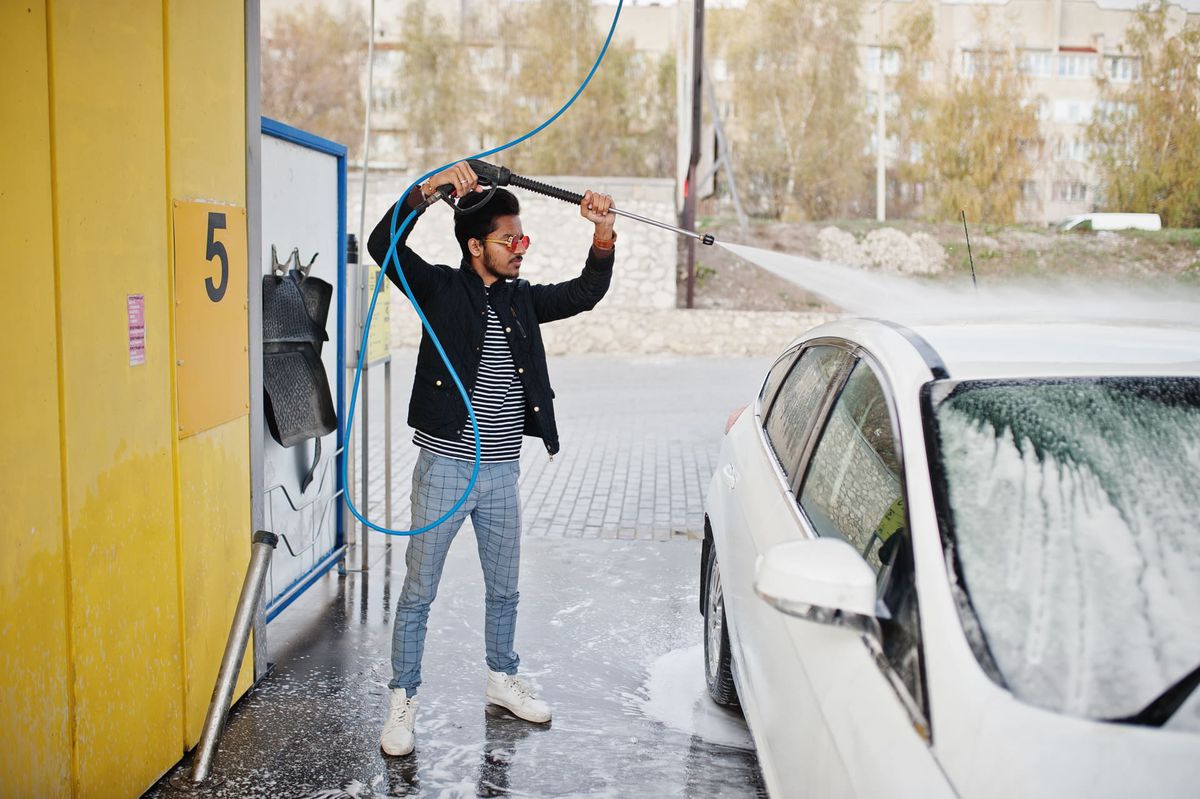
{"type": "Point", "coordinates": [639, 436]}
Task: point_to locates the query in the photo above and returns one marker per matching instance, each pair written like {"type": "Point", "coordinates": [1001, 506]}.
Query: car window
{"type": "Point", "coordinates": [853, 481]}
{"type": "Point", "coordinates": [774, 378]}
{"type": "Point", "coordinates": [796, 404]}
{"type": "Point", "coordinates": [1071, 506]}
{"type": "Point", "coordinates": [853, 490]}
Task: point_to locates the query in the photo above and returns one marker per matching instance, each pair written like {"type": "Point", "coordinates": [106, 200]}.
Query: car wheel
{"type": "Point", "coordinates": [718, 671]}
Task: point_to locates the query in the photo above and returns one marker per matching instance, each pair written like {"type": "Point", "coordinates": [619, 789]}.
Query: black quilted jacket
{"type": "Point", "coordinates": [453, 299]}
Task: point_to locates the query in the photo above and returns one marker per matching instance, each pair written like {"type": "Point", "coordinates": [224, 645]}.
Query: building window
{"type": "Point", "coordinates": [1073, 110]}
{"type": "Point", "coordinates": [1070, 191]}
{"type": "Point", "coordinates": [1040, 105]}
{"type": "Point", "coordinates": [1029, 190]}
{"type": "Point", "coordinates": [384, 97]}
{"type": "Point", "coordinates": [981, 61]}
{"type": "Point", "coordinates": [885, 59]}
{"type": "Point", "coordinates": [1071, 150]}
{"type": "Point", "coordinates": [891, 103]}
{"type": "Point", "coordinates": [973, 61]}
{"type": "Point", "coordinates": [1109, 109]}
{"type": "Point", "coordinates": [1122, 69]}
{"type": "Point", "coordinates": [891, 146]}
{"type": "Point", "coordinates": [1036, 63]}
{"type": "Point", "coordinates": [1076, 65]}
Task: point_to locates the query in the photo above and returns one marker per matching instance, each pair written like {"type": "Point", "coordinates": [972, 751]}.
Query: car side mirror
{"type": "Point", "coordinates": [822, 579]}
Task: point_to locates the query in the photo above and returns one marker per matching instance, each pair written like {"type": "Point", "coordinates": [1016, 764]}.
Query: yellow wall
{"type": "Point", "coordinates": [123, 546]}
{"type": "Point", "coordinates": [110, 190]}
{"type": "Point", "coordinates": [34, 676]}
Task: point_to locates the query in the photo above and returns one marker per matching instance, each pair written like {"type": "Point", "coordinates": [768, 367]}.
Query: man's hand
{"type": "Point", "coordinates": [594, 208]}
{"type": "Point", "coordinates": [460, 176]}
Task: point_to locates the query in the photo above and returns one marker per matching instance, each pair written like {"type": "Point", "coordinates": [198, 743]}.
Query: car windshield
{"type": "Point", "coordinates": [1072, 509]}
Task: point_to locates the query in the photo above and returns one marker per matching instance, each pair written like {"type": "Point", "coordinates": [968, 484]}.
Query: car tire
{"type": "Point", "coordinates": [718, 667]}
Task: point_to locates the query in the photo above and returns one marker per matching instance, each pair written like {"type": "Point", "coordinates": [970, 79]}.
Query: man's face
{"type": "Point", "coordinates": [498, 261]}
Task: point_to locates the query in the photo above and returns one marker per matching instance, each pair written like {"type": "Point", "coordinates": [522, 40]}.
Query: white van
{"type": "Point", "coordinates": [1112, 222]}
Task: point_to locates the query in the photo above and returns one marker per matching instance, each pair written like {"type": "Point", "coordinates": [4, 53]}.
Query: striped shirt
{"type": "Point", "coordinates": [499, 402]}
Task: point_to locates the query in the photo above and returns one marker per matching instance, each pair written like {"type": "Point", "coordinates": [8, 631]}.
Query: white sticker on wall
{"type": "Point", "coordinates": [135, 306]}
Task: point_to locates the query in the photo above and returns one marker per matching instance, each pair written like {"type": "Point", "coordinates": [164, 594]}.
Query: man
{"type": "Point", "coordinates": [487, 320]}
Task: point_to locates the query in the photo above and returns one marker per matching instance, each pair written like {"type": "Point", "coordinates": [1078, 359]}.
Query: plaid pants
{"type": "Point", "coordinates": [495, 511]}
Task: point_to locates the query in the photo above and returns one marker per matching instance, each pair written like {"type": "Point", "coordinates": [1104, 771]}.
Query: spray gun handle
{"type": "Point", "coordinates": [546, 189]}
{"type": "Point", "coordinates": [489, 173]}
{"type": "Point", "coordinates": [501, 176]}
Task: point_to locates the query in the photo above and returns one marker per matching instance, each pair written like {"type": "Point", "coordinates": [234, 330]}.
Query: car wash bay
{"type": "Point", "coordinates": [609, 627]}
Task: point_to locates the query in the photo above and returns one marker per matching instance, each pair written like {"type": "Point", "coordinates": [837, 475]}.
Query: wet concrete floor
{"type": "Point", "coordinates": [609, 625]}
{"type": "Point", "coordinates": [609, 631]}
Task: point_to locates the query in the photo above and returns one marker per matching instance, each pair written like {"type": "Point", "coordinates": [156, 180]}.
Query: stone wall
{"type": "Point", "coordinates": [638, 316]}
{"type": "Point", "coordinates": [610, 329]}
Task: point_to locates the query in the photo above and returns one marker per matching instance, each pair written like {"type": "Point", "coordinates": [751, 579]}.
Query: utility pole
{"type": "Point", "coordinates": [690, 188]}
{"type": "Point", "coordinates": [880, 132]}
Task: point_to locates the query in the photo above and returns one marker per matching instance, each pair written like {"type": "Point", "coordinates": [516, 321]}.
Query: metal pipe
{"type": "Point", "coordinates": [364, 441]}
{"type": "Point", "coordinates": [492, 175]}
{"type": "Point", "coordinates": [691, 197]}
{"type": "Point", "coordinates": [706, 238]}
{"type": "Point", "coordinates": [254, 223]}
{"type": "Point", "coordinates": [235, 649]}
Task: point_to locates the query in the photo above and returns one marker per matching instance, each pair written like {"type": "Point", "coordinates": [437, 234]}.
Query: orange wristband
{"type": "Point", "coordinates": [604, 245]}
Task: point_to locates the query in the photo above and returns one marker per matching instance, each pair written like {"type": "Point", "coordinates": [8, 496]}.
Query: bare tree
{"type": "Point", "coordinates": [438, 84]}
{"type": "Point", "coordinates": [312, 66]}
{"type": "Point", "coordinates": [981, 136]}
{"type": "Point", "coordinates": [909, 121]}
{"type": "Point", "coordinates": [799, 131]}
{"type": "Point", "coordinates": [1146, 137]}
{"type": "Point", "coordinates": [622, 124]}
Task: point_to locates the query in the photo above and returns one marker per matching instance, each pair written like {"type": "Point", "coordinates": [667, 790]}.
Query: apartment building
{"type": "Point", "coordinates": [1060, 45]}
{"type": "Point", "coordinates": [483, 29]}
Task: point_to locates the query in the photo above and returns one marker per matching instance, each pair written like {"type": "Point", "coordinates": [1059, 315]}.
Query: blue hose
{"type": "Point", "coordinates": [397, 232]}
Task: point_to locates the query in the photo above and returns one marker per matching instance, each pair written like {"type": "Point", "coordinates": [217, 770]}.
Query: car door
{"type": "Point", "coordinates": [758, 469]}
{"type": "Point", "coordinates": [870, 689]}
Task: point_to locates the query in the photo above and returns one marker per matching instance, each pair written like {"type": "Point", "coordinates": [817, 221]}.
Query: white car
{"type": "Point", "coordinates": [964, 560]}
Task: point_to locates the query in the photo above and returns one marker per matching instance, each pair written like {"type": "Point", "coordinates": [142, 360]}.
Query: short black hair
{"type": "Point", "coordinates": [482, 219]}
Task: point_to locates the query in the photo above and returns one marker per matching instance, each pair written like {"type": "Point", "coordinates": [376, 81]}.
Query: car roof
{"type": "Point", "coordinates": [979, 350]}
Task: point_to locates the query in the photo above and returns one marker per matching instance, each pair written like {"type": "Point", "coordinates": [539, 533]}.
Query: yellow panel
{"type": "Point", "coordinates": [112, 218]}
{"type": "Point", "coordinates": [210, 315]}
{"type": "Point", "coordinates": [207, 100]}
{"type": "Point", "coordinates": [35, 745]}
{"type": "Point", "coordinates": [216, 551]}
{"type": "Point", "coordinates": [379, 342]}
{"type": "Point", "coordinates": [206, 97]}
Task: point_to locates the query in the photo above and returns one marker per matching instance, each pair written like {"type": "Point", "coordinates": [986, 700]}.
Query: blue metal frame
{"type": "Point", "coordinates": [303, 583]}
{"type": "Point", "coordinates": [279, 130]}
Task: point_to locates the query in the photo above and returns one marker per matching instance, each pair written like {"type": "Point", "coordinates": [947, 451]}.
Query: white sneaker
{"type": "Point", "coordinates": [398, 738]}
{"type": "Point", "coordinates": [507, 690]}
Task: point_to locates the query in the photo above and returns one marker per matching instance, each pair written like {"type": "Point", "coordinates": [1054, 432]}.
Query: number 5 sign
{"type": "Point", "coordinates": [211, 344]}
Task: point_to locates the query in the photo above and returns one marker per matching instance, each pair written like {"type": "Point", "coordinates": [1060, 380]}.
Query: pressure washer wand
{"type": "Point", "coordinates": [501, 176]}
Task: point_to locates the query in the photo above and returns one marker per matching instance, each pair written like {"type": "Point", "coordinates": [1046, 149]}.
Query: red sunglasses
{"type": "Point", "coordinates": [512, 242]}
